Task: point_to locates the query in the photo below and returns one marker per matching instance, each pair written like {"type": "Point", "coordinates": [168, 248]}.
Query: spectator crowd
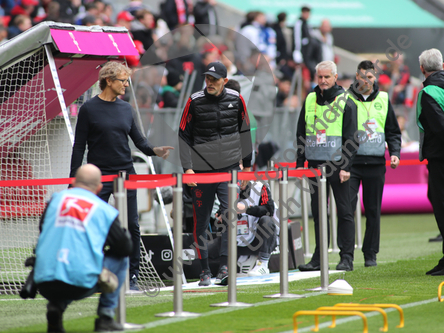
{"type": "Point", "coordinates": [175, 35]}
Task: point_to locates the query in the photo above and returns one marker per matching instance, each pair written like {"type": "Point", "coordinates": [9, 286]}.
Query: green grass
{"type": "Point", "coordinates": [405, 255]}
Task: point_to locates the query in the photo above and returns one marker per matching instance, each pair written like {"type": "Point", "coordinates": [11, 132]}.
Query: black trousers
{"type": "Point", "coordinates": [133, 224]}
{"type": "Point", "coordinates": [203, 201]}
{"type": "Point", "coordinates": [346, 223]}
{"type": "Point", "coordinates": [372, 177]}
{"type": "Point", "coordinates": [436, 195]}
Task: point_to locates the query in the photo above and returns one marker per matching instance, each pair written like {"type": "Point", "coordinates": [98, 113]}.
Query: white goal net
{"type": "Point", "coordinates": [34, 147]}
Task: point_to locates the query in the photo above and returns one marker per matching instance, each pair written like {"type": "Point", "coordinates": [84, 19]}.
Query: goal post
{"type": "Point", "coordinates": [35, 141]}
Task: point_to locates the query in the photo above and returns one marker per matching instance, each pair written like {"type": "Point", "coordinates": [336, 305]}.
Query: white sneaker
{"type": "Point", "coordinates": [259, 269]}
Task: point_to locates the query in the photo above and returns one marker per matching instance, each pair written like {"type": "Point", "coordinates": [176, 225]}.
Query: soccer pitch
{"type": "Point", "coordinates": [405, 255]}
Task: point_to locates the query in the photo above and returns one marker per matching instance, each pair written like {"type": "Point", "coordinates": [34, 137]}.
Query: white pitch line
{"type": "Point", "coordinates": [224, 310]}
{"type": "Point", "coordinates": [369, 314]}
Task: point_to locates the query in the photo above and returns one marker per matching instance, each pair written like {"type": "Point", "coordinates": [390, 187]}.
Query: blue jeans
{"type": "Point", "coordinates": [60, 294]}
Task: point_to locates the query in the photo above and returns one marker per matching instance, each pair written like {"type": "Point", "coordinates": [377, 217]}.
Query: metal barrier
{"type": "Point", "coordinates": [177, 255]}
{"type": "Point", "coordinates": [283, 240]}
{"type": "Point", "coordinates": [232, 245]}
{"type": "Point", "coordinates": [323, 228]}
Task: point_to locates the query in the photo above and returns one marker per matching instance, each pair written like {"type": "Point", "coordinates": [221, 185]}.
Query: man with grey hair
{"type": "Point", "coordinates": [430, 120]}
{"type": "Point", "coordinates": [325, 136]}
{"type": "Point", "coordinates": [104, 124]}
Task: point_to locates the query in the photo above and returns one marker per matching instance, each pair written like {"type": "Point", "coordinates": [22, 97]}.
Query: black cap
{"type": "Point", "coordinates": [216, 70]}
{"type": "Point", "coordinates": [173, 78]}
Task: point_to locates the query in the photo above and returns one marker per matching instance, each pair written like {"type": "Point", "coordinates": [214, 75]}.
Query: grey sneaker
{"type": "Point", "coordinates": [205, 278]}
{"type": "Point", "coordinates": [107, 324]}
{"type": "Point", "coordinates": [222, 276]}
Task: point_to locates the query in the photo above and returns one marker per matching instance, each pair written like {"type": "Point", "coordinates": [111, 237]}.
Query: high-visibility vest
{"type": "Point", "coordinates": [372, 116]}
{"type": "Point", "coordinates": [324, 122]}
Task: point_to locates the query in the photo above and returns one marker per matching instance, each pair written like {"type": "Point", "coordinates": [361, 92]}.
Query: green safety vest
{"type": "Point", "coordinates": [376, 109]}
{"type": "Point", "coordinates": [437, 94]}
{"type": "Point", "coordinates": [320, 118]}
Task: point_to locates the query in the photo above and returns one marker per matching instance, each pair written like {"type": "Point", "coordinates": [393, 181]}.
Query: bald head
{"type": "Point", "coordinates": [88, 176]}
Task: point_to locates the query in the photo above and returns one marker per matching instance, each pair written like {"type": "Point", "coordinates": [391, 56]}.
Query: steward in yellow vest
{"type": "Point", "coordinates": [325, 136]}
{"type": "Point", "coordinates": [377, 124]}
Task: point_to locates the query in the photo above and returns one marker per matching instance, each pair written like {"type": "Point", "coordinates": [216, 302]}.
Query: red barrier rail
{"type": "Point", "coordinates": [150, 177]}
{"type": "Point", "coordinates": [304, 172]}
{"type": "Point", "coordinates": [408, 162]}
{"type": "Point", "coordinates": [132, 184]}
{"type": "Point", "coordinates": [206, 178]}
{"type": "Point", "coordinates": [53, 181]}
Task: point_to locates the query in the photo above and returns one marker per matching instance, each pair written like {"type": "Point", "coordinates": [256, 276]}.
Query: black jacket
{"type": "Point", "coordinates": [391, 131]}
{"type": "Point", "coordinates": [265, 205]}
{"type": "Point", "coordinates": [349, 127]}
{"type": "Point", "coordinates": [432, 119]}
{"type": "Point", "coordinates": [213, 135]}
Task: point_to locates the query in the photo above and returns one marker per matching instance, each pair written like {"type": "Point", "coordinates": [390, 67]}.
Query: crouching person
{"type": "Point", "coordinates": [81, 250]}
{"type": "Point", "coordinates": [257, 225]}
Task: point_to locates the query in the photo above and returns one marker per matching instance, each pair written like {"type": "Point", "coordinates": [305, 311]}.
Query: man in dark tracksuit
{"type": "Point", "coordinates": [214, 135]}
{"type": "Point", "coordinates": [377, 124]}
{"type": "Point", "coordinates": [430, 120]}
{"type": "Point", "coordinates": [325, 136]}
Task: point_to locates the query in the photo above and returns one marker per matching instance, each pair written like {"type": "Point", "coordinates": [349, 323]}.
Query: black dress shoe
{"type": "Point", "coordinates": [436, 239]}
{"type": "Point", "coordinates": [346, 264]}
{"type": "Point", "coordinates": [435, 269]}
{"type": "Point", "coordinates": [370, 263]}
{"type": "Point", "coordinates": [438, 273]}
{"type": "Point", "coordinates": [311, 266]}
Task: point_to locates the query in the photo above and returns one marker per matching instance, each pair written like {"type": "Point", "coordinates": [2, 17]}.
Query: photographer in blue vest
{"type": "Point", "coordinates": [82, 250]}
{"type": "Point", "coordinates": [430, 120]}
{"type": "Point", "coordinates": [325, 136]}
{"type": "Point", "coordinates": [377, 124]}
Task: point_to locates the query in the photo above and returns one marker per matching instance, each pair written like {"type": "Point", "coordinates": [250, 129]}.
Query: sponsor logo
{"type": "Point", "coordinates": [166, 255]}
{"type": "Point", "coordinates": [378, 106]}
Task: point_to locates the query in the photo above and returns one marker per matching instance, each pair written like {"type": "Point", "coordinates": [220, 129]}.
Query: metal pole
{"type": "Point", "coordinates": [323, 231]}
{"type": "Point", "coordinates": [334, 222]}
{"type": "Point", "coordinates": [232, 245]}
{"type": "Point", "coordinates": [283, 238]}
{"type": "Point", "coordinates": [304, 212]}
{"type": "Point", "coordinates": [358, 222]}
{"type": "Point", "coordinates": [271, 180]}
{"type": "Point", "coordinates": [120, 199]}
{"type": "Point", "coordinates": [177, 257]}
{"type": "Point", "coordinates": [58, 88]}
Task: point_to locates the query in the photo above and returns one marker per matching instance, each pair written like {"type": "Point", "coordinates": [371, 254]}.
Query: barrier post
{"type": "Point", "coordinates": [120, 199]}
{"type": "Point", "coordinates": [177, 256]}
{"type": "Point", "coordinates": [304, 211]}
{"type": "Point", "coordinates": [232, 245]}
{"type": "Point", "coordinates": [283, 240]}
{"type": "Point", "coordinates": [271, 180]}
{"type": "Point", "coordinates": [358, 223]}
{"type": "Point", "coordinates": [334, 223]}
{"type": "Point", "coordinates": [323, 228]}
